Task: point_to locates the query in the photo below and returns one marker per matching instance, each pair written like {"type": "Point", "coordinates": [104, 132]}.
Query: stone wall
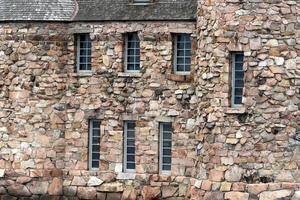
{"type": "Point", "coordinates": [219, 152]}
{"type": "Point", "coordinates": [257, 143]}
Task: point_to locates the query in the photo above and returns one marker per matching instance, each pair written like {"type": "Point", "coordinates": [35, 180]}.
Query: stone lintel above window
{"type": "Point", "coordinates": [80, 29]}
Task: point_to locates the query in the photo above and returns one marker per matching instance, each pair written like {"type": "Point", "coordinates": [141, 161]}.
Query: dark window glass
{"type": "Point", "coordinates": [84, 52]}
{"type": "Point", "coordinates": [237, 78]}
{"type": "Point", "coordinates": [132, 48]}
{"type": "Point", "coordinates": [129, 145]}
{"type": "Point", "coordinates": [165, 146]}
{"type": "Point", "coordinates": [182, 53]}
{"type": "Point", "coordinates": [94, 144]}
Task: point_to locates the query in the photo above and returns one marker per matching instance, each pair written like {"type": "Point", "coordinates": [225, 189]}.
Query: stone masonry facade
{"type": "Point", "coordinates": [219, 152]}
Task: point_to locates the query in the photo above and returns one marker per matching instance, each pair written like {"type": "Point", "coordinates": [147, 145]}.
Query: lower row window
{"type": "Point", "coordinates": [94, 144]}
{"type": "Point", "coordinates": [165, 146]}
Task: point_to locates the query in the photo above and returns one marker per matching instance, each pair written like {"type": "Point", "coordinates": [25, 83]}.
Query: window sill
{"type": "Point", "coordinates": [126, 176]}
{"type": "Point", "coordinates": [235, 110]}
{"type": "Point", "coordinates": [130, 74]}
{"type": "Point", "coordinates": [83, 74]}
{"type": "Point", "coordinates": [179, 78]}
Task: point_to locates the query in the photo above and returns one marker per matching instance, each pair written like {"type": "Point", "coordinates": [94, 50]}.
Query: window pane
{"type": "Point", "coordinates": [95, 164]}
{"type": "Point", "coordinates": [188, 68]}
{"type": "Point", "coordinates": [131, 59]}
{"type": "Point", "coordinates": [167, 152]}
{"type": "Point", "coordinates": [130, 134]}
{"type": "Point", "coordinates": [82, 67]}
{"type": "Point", "coordinates": [96, 148]}
{"type": "Point", "coordinates": [130, 142]}
{"type": "Point", "coordinates": [188, 45]}
{"type": "Point", "coordinates": [96, 132]}
{"type": "Point", "coordinates": [167, 135]}
{"type": "Point", "coordinates": [166, 167]}
{"type": "Point", "coordinates": [130, 158]}
{"type": "Point", "coordinates": [239, 83]}
{"type": "Point", "coordinates": [96, 140]}
{"type": "Point", "coordinates": [188, 61]}
{"type": "Point", "coordinates": [239, 66]}
{"type": "Point", "coordinates": [167, 127]}
{"type": "Point", "coordinates": [180, 68]}
{"type": "Point", "coordinates": [166, 160]}
{"type": "Point", "coordinates": [130, 165]}
{"type": "Point", "coordinates": [238, 100]}
{"type": "Point", "coordinates": [238, 91]}
{"type": "Point", "coordinates": [167, 144]}
{"type": "Point", "coordinates": [130, 66]}
{"type": "Point", "coordinates": [180, 45]}
{"type": "Point", "coordinates": [131, 150]}
{"type": "Point", "coordinates": [239, 74]}
{"type": "Point", "coordinates": [239, 57]}
{"type": "Point", "coordinates": [95, 156]}
{"type": "Point", "coordinates": [180, 53]}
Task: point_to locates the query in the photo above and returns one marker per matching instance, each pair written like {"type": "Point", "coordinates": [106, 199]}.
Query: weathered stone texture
{"type": "Point", "coordinates": [219, 151]}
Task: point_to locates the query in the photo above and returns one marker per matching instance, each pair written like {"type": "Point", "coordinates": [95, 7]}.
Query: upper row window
{"type": "Point", "coordinates": [142, 1]}
{"type": "Point", "coordinates": [181, 53]}
{"type": "Point", "coordinates": [84, 51]}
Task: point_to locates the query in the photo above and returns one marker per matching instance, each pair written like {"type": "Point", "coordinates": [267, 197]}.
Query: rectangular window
{"type": "Point", "coordinates": [132, 52]}
{"type": "Point", "coordinates": [141, 1]}
{"type": "Point", "coordinates": [84, 52]}
{"type": "Point", "coordinates": [237, 76]}
{"type": "Point", "coordinates": [94, 144]}
{"type": "Point", "coordinates": [165, 147]}
{"type": "Point", "coordinates": [129, 146]}
{"type": "Point", "coordinates": [182, 54]}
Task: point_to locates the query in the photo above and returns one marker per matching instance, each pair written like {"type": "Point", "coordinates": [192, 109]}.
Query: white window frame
{"type": "Point", "coordinates": [126, 54]}
{"type": "Point", "coordinates": [175, 40]}
{"type": "Point", "coordinates": [142, 2]}
{"type": "Point", "coordinates": [91, 128]}
{"type": "Point", "coordinates": [78, 55]}
{"type": "Point", "coordinates": [161, 140]}
{"type": "Point", "coordinates": [233, 78]}
{"type": "Point", "coordinates": [125, 147]}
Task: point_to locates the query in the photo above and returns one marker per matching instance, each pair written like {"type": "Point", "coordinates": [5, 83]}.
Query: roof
{"type": "Point", "coordinates": [56, 10]}
{"type": "Point", "coordinates": [109, 10]}
{"type": "Point", "coordinates": [96, 10]}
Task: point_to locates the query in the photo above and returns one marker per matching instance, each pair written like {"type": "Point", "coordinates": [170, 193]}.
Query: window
{"type": "Point", "coordinates": [83, 52]}
{"type": "Point", "coordinates": [142, 1]}
{"type": "Point", "coordinates": [237, 76]}
{"type": "Point", "coordinates": [129, 146]}
{"type": "Point", "coordinates": [165, 147]}
{"type": "Point", "coordinates": [94, 144]}
{"type": "Point", "coordinates": [182, 54]}
{"type": "Point", "coordinates": [132, 52]}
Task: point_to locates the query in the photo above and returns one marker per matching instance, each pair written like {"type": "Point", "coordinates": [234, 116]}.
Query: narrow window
{"type": "Point", "coordinates": [237, 76]}
{"type": "Point", "coordinates": [132, 52]}
{"type": "Point", "coordinates": [129, 146]}
{"type": "Point", "coordinates": [142, 1]}
{"type": "Point", "coordinates": [182, 54]}
{"type": "Point", "coordinates": [94, 144]}
{"type": "Point", "coordinates": [83, 52]}
{"type": "Point", "coordinates": [165, 147]}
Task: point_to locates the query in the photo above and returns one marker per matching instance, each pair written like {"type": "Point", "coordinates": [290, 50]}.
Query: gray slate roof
{"type": "Point", "coordinates": [95, 10]}
{"type": "Point", "coordinates": [56, 10]}
{"type": "Point", "coordinates": [123, 10]}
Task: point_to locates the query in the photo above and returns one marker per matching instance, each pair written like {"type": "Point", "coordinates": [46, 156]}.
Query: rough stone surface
{"type": "Point", "coordinates": [217, 149]}
{"type": "Point", "coordinates": [273, 195]}
{"type": "Point", "coordinates": [149, 193]}
{"type": "Point", "coordinates": [18, 190]}
{"type": "Point", "coordinates": [87, 192]}
{"type": "Point", "coordinates": [56, 187]}
{"type": "Point", "coordinates": [236, 196]}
